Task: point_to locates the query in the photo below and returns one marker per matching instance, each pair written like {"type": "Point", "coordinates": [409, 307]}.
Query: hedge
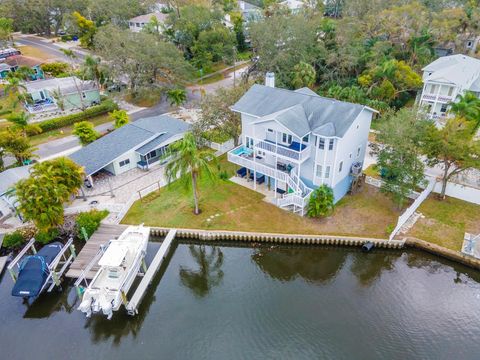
{"type": "Point", "coordinates": [56, 123]}
{"type": "Point", "coordinates": [13, 240]}
{"type": "Point", "coordinates": [90, 221]}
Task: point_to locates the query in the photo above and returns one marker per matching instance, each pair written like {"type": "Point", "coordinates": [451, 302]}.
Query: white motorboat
{"type": "Point", "coordinates": [119, 266]}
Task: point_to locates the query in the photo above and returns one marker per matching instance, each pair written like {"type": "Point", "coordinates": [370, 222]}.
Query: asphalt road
{"type": "Point", "coordinates": [49, 48]}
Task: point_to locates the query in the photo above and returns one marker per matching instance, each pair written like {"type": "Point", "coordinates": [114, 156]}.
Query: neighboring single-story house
{"type": "Point", "coordinates": [12, 63]}
{"type": "Point", "coordinates": [137, 144]}
{"type": "Point", "coordinates": [8, 179]}
{"type": "Point", "coordinates": [137, 24]}
{"type": "Point", "coordinates": [61, 93]}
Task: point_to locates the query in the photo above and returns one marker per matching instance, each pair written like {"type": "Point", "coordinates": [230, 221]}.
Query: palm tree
{"type": "Point", "coordinates": [468, 107]}
{"type": "Point", "coordinates": [186, 157]}
{"type": "Point", "coordinates": [208, 275]}
{"type": "Point", "coordinates": [177, 96]}
{"type": "Point", "coordinates": [91, 70]}
{"type": "Point", "coordinates": [20, 121]}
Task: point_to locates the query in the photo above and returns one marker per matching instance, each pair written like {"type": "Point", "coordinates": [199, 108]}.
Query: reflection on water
{"type": "Point", "coordinates": [224, 302]}
{"type": "Point", "coordinates": [208, 274]}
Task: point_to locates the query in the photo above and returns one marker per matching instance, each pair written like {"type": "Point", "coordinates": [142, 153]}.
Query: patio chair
{"type": "Point", "coordinates": [242, 172]}
{"type": "Point", "coordinates": [281, 191]}
{"type": "Point", "coordinates": [260, 179]}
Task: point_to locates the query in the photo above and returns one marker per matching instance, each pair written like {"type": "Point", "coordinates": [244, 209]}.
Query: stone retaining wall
{"type": "Point", "coordinates": [218, 235]}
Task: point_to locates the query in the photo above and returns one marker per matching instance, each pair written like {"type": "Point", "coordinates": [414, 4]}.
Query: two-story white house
{"type": "Point", "coordinates": [445, 79]}
{"type": "Point", "coordinates": [295, 141]}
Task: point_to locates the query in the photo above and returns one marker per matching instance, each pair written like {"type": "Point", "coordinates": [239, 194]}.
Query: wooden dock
{"type": "Point", "coordinates": [161, 254]}
{"type": "Point", "coordinates": [102, 236]}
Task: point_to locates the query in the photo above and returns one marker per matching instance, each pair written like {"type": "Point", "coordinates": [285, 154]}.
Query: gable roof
{"type": "Point", "coordinates": [146, 134]}
{"type": "Point", "coordinates": [456, 69]}
{"type": "Point", "coordinates": [10, 177]}
{"type": "Point", "coordinates": [20, 60]}
{"type": "Point", "coordinates": [301, 111]}
{"type": "Point", "coordinates": [161, 17]}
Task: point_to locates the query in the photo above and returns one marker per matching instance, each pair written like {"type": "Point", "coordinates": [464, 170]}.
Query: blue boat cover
{"type": "Point", "coordinates": [34, 271]}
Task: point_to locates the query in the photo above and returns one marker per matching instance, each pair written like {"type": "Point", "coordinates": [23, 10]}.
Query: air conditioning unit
{"type": "Point", "coordinates": [356, 168]}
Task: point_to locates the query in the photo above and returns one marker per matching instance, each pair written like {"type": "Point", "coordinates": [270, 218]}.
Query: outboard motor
{"type": "Point", "coordinates": [368, 246]}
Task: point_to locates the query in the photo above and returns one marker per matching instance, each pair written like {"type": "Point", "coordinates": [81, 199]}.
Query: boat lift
{"type": "Point", "coordinates": [147, 274]}
{"type": "Point", "coordinates": [56, 268]}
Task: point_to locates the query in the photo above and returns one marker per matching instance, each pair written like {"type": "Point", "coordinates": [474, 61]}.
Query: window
{"type": "Point", "coordinates": [286, 138]}
{"type": "Point", "coordinates": [350, 155]}
{"type": "Point", "coordinates": [84, 95]}
{"type": "Point", "coordinates": [152, 154]}
{"type": "Point", "coordinates": [330, 144]}
{"type": "Point", "coordinates": [270, 130]}
{"type": "Point", "coordinates": [450, 91]}
{"type": "Point", "coordinates": [327, 172]}
{"type": "Point", "coordinates": [124, 162]}
{"type": "Point", "coordinates": [321, 143]}
{"type": "Point", "coordinates": [305, 138]}
{"type": "Point", "coordinates": [444, 107]}
{"type": "Point", "coordinates": [358, 151]}
{"type": "Point", "coordinates": [319, 171]}
{"type": "Point", "coordinates": [469, 44]}
{"type": "Point", "coordinates": [340, 167]}
{"type": "Point", "coordinates": [433, 89]}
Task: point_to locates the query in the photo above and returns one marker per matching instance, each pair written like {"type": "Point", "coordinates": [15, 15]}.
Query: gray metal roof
{"type": "Point", "coordinates": [146, 133]}
{"type": "Point", "coordinates": [300, 111]}
{"type": "Point", "coordinates": [161, 17]}
{"type": "Point", "coordinates": [476, 85]}
{"type": "Point", "coordinates": [10, 177]}
{"type": "Point", "coordinates": [456, 69]}
{"type": "Point", "coordinates": [68, 85]}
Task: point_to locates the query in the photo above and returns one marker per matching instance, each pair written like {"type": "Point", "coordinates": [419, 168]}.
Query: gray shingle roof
{"type": "Point", "coordinates": [10, 177]}
{"type": "Point", "coordinates": [456, 69]}
{"type": "Point", "coordinates": [146, 133]}
{"type": "Point", "coordinates": [304, 112]}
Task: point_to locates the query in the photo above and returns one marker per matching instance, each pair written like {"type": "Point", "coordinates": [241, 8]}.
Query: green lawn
{"type": "Point", "coordinates": [65, 131]}
{"type": "Point", "coordinates": [228, 206]}
{"type": "Point", "coordinates": [446, 221]}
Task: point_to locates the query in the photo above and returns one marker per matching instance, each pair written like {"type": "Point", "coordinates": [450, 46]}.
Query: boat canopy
{"type": "Point", "coordinates": [114, 255]}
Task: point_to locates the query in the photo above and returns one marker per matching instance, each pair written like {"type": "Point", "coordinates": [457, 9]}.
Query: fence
{"type": "Point", "coordinates": [402, 219]}
{"type": "Point", "coordinates": [223, 147]}
{"type": "Point", "coordinates": [458, 191]}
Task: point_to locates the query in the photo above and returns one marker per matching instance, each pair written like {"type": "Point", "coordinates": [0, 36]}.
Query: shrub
{"type": "Point", "coordinates": [85, 131]}
{"type": "Point", "coordinates": [44, 237]}
{"type": "Point", "coordinates": [223, 175]}
{"type": "Point", "coordinates": [90, 221]}
{"type": "Point", "coordinates": [55, 68]}
{"type": "Point", "coordinates": [321, 202]}
{"type": "Point", "coordinates": [63, 121]}
{"type": "Point", "coordinates": [13, 240]}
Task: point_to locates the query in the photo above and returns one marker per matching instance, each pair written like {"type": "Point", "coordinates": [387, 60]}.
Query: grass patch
{"type": "Point", "coordinates": [65, 131]}
{"type": "Point", "coordinates": [446, 221]}
{"type": "Point", "coordinates": [145, 98]}
{"type": "Point", "coordinates": [211, 79]}
{"type": "Point", "coordinates": [35, 52]}
{"type": "Point", "coordinates": [228, 206]}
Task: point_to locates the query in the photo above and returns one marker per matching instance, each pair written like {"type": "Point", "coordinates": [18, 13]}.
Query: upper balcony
{"type": "Point", "coordinates": [295, 151]}
{"type": "Point", "coordinates": [439, 98]}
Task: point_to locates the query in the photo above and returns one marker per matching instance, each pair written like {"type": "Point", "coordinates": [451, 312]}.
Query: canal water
{"type": "Point", "coordinates": [223, 302]}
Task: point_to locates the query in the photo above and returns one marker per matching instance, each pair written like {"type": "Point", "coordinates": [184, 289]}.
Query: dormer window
{"type": "Point", "coordinates": [306, 138]}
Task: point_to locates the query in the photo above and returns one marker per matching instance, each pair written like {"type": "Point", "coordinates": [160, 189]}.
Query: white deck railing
{"type": "Point", "coordinates": [283, 151]}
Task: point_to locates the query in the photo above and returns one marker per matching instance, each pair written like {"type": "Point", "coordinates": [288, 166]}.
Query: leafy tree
{"type": "Point", "coordinates": [214, 45]}
{"type": "Point", "coordinates": [16, 144]}
{"type": "Point", "coordinates": [281, 42]}
{"type": "Point", "coordinates": [216, 111]}
{"type": "Point", "coordinates": [145, 60]}
{"type": "Point", "coordinates": [85, 131]}
{"type": "Point", "coordinates": [50, 185]}
{"type": "Point", "coordinates": [303, 75]}
{"type": "Point", "coordinates": [468, 107]}
{"type": "Point", "coordinates": [92, 69]}
{"type": "Point", "coordinates": [321, 202]}
{"type": "Point", "coordinates": [86, 28]}
{"type": "Point", "coordinates": [177, 96]}
{"type": "Point", "coordinates": [238, 28]}
{"type": "Point", "coordinates": [186, 157]}
{"type": "Point", "coordinates": [6, 29]}
{"type": "Point", "coordinates": [453, 147]}
{"type": "Point", "coordinates": [401, 135]}
{"type": "Point", "coordinates": [390, 80]}
{"type": "Point", "coordinates": [120, 118]}
{"type": "Point", "coordinates": [153, 26]}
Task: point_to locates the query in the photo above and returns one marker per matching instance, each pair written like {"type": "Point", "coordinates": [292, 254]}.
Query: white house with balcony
{"type": "Point", "coordinates": [445, 79]}
{"type": "Point", "coordinates": [295, 141]}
